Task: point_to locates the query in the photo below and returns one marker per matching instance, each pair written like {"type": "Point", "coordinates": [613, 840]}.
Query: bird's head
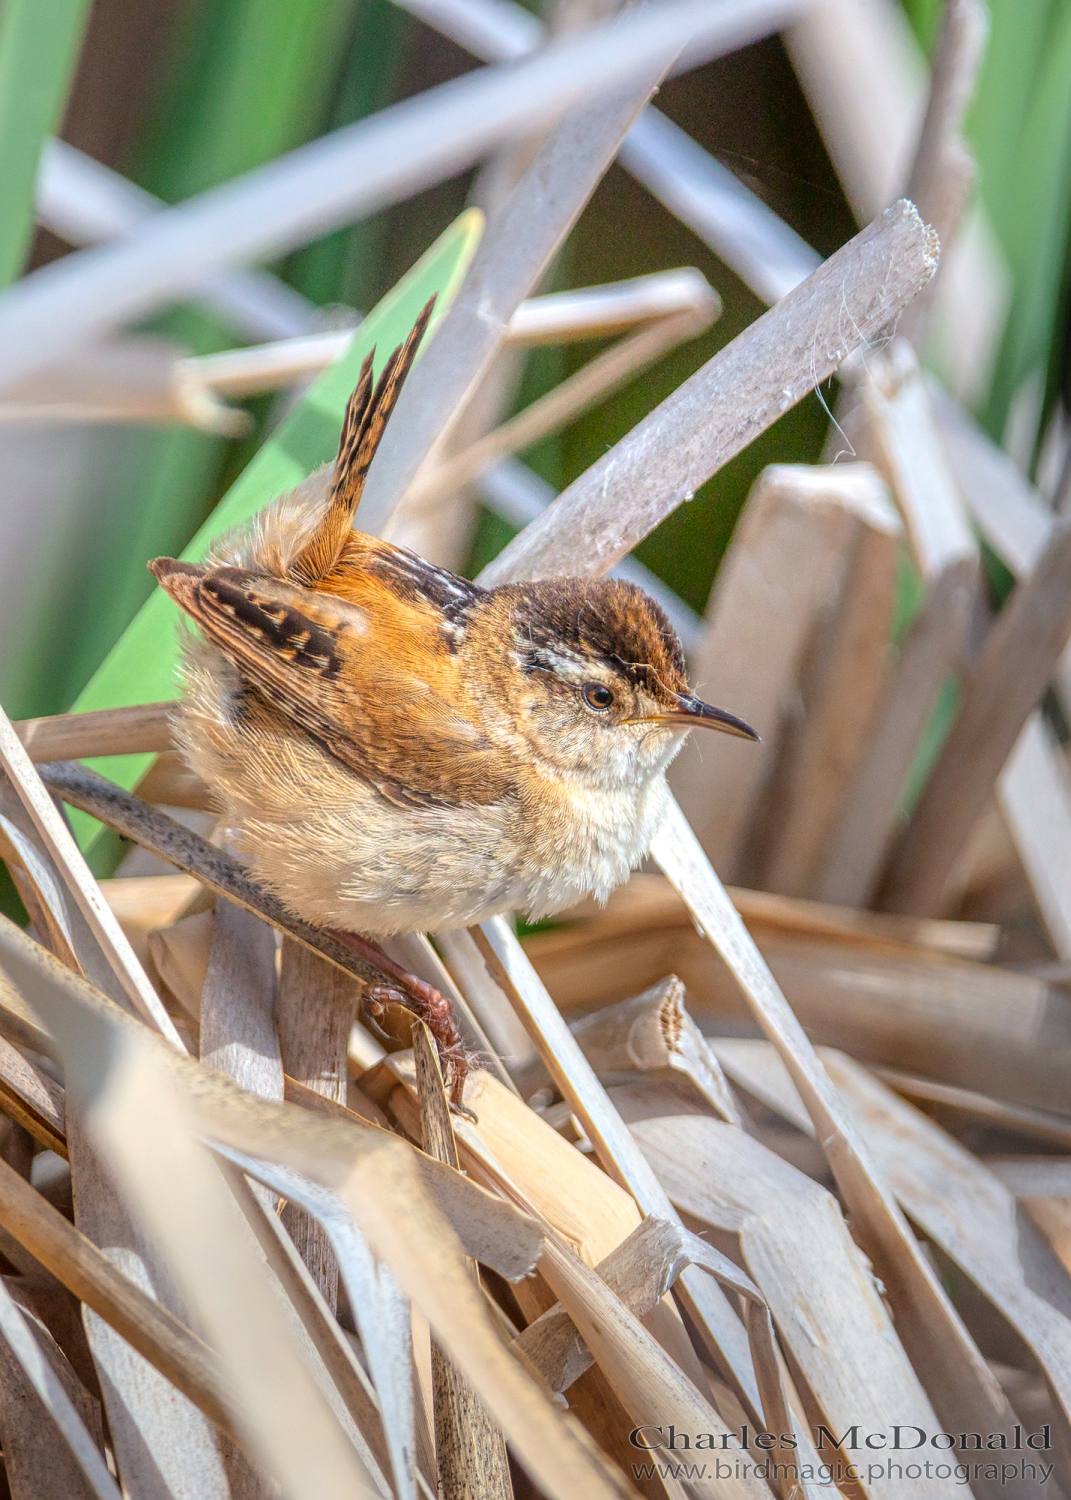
{"type": "Point", "coordinates": [594, 678]}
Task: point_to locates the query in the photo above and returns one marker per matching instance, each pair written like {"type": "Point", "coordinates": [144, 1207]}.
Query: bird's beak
{"type": "Point", "coordinates": [692, 713]}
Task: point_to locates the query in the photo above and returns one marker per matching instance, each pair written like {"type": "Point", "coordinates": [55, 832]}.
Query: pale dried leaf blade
{"type": "Point", "coordinates": [170, 1181]}
{"type": "Point", "coordinates": [382, 1313]}
{"type": "Point", "coordinates": [341, 1364]}
{"type": "Point", "coordinates": [24, 1347]}
{"type": "Point", "coordinates": [968, 1212]}
{"type": "Point", "coordinates": [959, 1383]}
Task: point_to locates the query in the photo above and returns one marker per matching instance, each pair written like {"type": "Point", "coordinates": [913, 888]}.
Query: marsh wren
{"type": "Point", "coordinates": [399, 750]}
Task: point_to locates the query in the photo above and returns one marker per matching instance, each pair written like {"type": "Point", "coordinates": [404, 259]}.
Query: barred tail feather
{"type": "Point", "coordinates": [366, 418]}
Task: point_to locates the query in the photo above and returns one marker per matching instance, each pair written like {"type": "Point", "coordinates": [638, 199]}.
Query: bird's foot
{"type": "Point", "coordinates": [425, 1001]}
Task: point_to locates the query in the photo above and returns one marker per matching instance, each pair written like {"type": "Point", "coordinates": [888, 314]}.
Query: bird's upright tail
{"type": "Point", "coordinates": [367, 414]}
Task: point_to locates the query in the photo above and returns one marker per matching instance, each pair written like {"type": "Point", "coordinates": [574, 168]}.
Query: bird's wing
{"type": "Point", "coordinates": [315, 658]}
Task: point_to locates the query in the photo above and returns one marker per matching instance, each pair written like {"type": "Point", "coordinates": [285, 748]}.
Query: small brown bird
{"type": "Point", "coordinates": [396, 749]}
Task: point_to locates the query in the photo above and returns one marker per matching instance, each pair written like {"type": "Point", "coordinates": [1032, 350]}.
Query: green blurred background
{"type": "Point", "coordinates": [182, 94]}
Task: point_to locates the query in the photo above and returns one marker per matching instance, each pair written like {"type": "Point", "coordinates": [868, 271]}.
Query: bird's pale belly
{"type": "Point", "coordinates": [379, 869]}
{"type": "Point", "coordinates": [340, 855]}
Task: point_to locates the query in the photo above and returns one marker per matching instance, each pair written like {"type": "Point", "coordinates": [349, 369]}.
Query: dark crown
{"type": "Point", "coordinates": [603, 620]}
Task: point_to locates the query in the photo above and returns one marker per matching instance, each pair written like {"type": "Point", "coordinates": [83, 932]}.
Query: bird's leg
{"type": "Point", "coordinates": [433, 1008]}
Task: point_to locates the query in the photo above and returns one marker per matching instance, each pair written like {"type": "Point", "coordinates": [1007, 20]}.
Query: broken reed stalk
{"type": "Point", "coordinates": [471, 1450]}
{"type": "Point", "coordinates": [141, 728]}
{"type": "Point", "coordinates": [644, 1377]}
{"type": "Point", "coordinates": [663, 461]}
{"type": "Point", "coordinates": [639, 1272]}
{"type": "Point", "coordinates": [653, 1032]}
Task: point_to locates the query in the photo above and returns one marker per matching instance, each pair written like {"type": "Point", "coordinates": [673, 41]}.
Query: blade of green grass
{"type": "Point", "coordinates": [39, 45]}
{"type": "Point", "coordinates": [249, 80]}
{"type": "Point", "coordinates": [1034, 221]}
{"type": "Point", "coordinates": [141, 667]}
{"type": "Point", "coordinates": [347, 266]}
{"type": "Point", "coordinates": [1019, 130]}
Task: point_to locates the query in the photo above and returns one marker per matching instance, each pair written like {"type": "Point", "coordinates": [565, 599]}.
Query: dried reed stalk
{"type": "Point", "coordinates": [618, 1153]}
{"type": "Point", "coordinates": [720, 409]}
{"type": "Point", "coordinates": [42, 1379]}
{"type": "Point", "coordinates": [953, 1372]}
{"type": "Point", "coordinates": [383, 1191]}
{"type": "Point", "coordinates": [154, 1430]}
{"type": "Point", "coordinates": [105, 731]}
{"type": "Point", "coordinates": [471, 1450]}
{"type": "Point", "coordinates": [68, 858]}
{"type": "Point", "coordinates": [150, 1328]}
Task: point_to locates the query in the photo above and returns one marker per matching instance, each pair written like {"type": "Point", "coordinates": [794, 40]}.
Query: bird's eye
{"type": "Point", "coordinates": [596, 696]}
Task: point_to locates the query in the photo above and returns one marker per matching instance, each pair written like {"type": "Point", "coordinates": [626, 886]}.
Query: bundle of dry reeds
{"type": "Point", "coordinates": [753, 1190]}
